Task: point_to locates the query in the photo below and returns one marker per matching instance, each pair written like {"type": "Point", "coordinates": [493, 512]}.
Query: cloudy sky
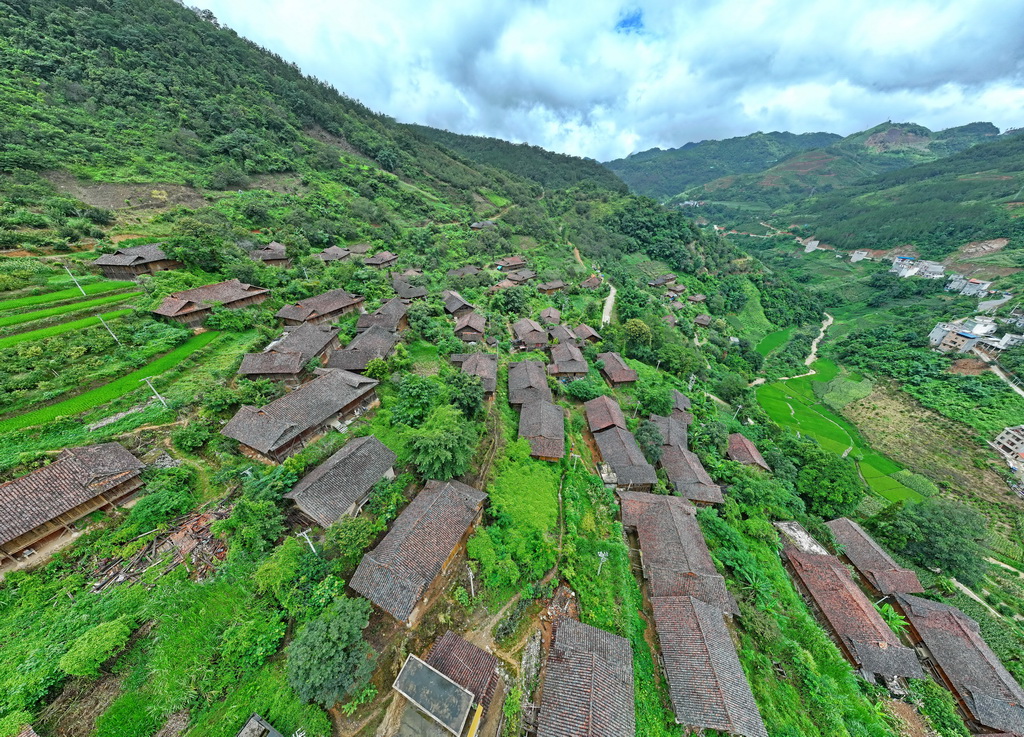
{"type": "Point", "coordinates": [601, 78]}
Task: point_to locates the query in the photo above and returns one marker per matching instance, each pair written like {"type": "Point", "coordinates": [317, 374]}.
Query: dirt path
{"type": "Point", "coordinates": [811, 357]}
{"type": "Point", "coordinates": [609, 303]}
{"type": "Point", "coordinates": [970, 594]}
{"type": "Point", "coordinates": [576, 253]}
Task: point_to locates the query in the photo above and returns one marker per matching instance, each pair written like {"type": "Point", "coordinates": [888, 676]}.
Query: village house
{"type": "Point", "coordinates": [273, 254]}
{"type": "Point", "coordinates": [528, 335]}
{"type": "Point", "coordinates": [284, 426]}
{"type": "Point", "coordinates": [673, 552]}
{"type": "Point", "coordinates": [406, 290]}
{"type": "Point", "coordinates": [503, 284]}
{"type": "Point", "coordinates": [742, 450]}
{"type": "Point", "coordinates": [334, 254]}
{"type": "Point", "coordinates": [474, 669]}
{"type": "Point", "coordinates": [286, 358]}
{"type": "Point", "coordinates": [522, 276]}
{"type": "Point", "coordinates": [855, 625]}
{"type": "Point", "coordinates": [359, 249]}
{"type": "Point", "coordinates": [392, 316]}
{"type": "Point", "coordinates": [968, 287]}
{"type": "Point", "coordinates": [706, 683]}
{"type": "Point", "coordinates": [550, 316]}
{"type": "Point", "coordinates": [952, 648]}
{"type": "Point", "coordinates": [626, 466]}
{"type": "Point", "coordinates": [483, 365]}
{"type": "Point", "coordinates": [615, 370]}
{"type": "Point", "coordinates": [562, 334]}
{"type": "Point", "coordinates": [587, 334]}
{"type": "Point", "coordinates": [340, 486]}
{"type": "Point", "coordinates": [470, 326]}
{"type": "Point", "coordinates": [567, 363]}
{"type": "Point", "coordinates": [883, 575]}
{"type": "Point", "coordinates": [860, 255]}
{"type": "Point", "coordinates": [695, 298]}
{"type": "Point", "coordinates": [510, 263]}
{"type": "Point", "coordinates": [670, 320]}
{"type": "Point", "coordinates": [382, 260]}
{"type": "Point", "coordinates": [403, 572]}
{"type": "Point", "coordinates": [45, 503]}
{"type": "Point", "coordinates": [527, 382]}
{"type": "Point", "coordinates": [675, 291]}
{"type": "Point", "coordinates": [681, 407]}
{"type": "Point", "coordinates": [662, 281]}
{"type": "Point", "coordinates": [136, 261]}
{"type": "Point", "coordinates": [463, 271]}
{"type": "Point", "coordinates": [257, 726]}
{"type": "Point", "coordinates": [412, 273]}
{"type": "Point", "coordinates": [192, 306]}
{"type": "Point", "coordinates": [603, 413]}
{"type": "Point", "coordinates": [366, 346]}
{"type": "Point", "coordinates": [550, 287]}
{"type": "Point", "coordinates": [543, 425]}
{"type": "Point", "coordinates": [684, 470]}
{"type": "Point", "coordinates": [702, 320]}
{"type": "Point", "coordinates": [591, 282]}
{"type": "Point", "coordinates": [483, 225]}
{"type": "Point", "coordinates": [326, 307]}
{"type": "Point", "coordinates": [1010, 445]}
{"type": "Point", "coordinates": [588, 684]}
{"type": "Point", "coordinates": [455, 304]}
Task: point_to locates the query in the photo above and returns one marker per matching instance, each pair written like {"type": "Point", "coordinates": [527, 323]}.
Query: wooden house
{"type": "Point", "coordinates": [615, 370]}
{"type": "Point", "coordinates": [543, 425]}
{"type": "Point", "coordinates": [192, 306]}
{"type": "Point", "coordinates": [392, 316]}
{"type": "Point", "coordinates": [365, 347]}
{"type": "Point", "coordinates": [407, 290]}
{"type": "Point", "coordinates": [136, 261]}
{"type": "Point", "coordinates": [326, 307]}
{"type": "Point", "coordinates": [482, 365]}
{"type": "Point", "coordinates": [567, 363]}
{"type": "Point", "coordinates": [455, 304]}
{"type": "Point", "coordinates": [551, 287]}
{"type": "Point", "coordinates": [470, 326]}
{"type": "Point", "coordinates": [550, 316]}
{"type": "Point", "coordinates": [286, 358]}
{"type": "Point", "coordinates": [334, 254]}
{"type": "Point", "coordinates": [382, 260]}
{"type": "Point", "coordinates": [742, 450]}
{"type": "Point", "coordinates": [527, 382]}
{"type": "Point", "coordinates": [529, 335]}
{"type": "Point", "coordinates": [273, 254]}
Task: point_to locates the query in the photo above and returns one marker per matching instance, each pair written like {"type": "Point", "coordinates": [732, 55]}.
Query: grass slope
{"type": "Point", "coordinates": [63, 294]}
{"type": "Point", "coordinates": [65, 327]}
{"type": "Point", "coordinates": [22, 317]}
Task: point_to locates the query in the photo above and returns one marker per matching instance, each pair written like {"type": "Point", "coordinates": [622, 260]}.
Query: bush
{"type": "Point", "coordinates": [191, 437]}
{"type": "Point", "coordinates": [95, 647]}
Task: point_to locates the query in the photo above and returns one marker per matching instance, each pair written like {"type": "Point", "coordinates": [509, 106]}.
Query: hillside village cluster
{"type": "Point", "coordinates": [588, 681]}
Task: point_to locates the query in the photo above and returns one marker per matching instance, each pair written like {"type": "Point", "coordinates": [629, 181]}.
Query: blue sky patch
{"type": "Point", "coordinates": [632, 21]}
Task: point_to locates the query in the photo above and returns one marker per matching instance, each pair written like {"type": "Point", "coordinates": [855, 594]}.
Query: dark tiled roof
{"type": "Point", "coordinates": [603, 412]}
{"type": "Point", "coordinates": [293, 351]}
{"type": "Point", "coordinates": [588, 686]}
{"type": "Point", "coordinates": [876, 565]}
{"type": "Point", "coordinates": [527, 382]}
{"type": "Point", "coordinates": [472, 321]}
{"type": "Point", "coordinates": [585, 332]}
{"type": "Point", "coordinates": [550, 315]}
{"type": "Point", "coordinates": [702, 320]}
{"type": "Point", "coordinates": [681, 403]}
{"type": "Point", "coordinates": [742, 450]}
{"type": "Point", "coordinates": [342, 481]}
{"type": "Point", "coordinates": [360, 248]}
{"type": "Point", "coordinates": [543, 424]}
{"type": "Point", "coordinates": [851, 616]}
{"type": "Point", "coordinates": [271, 362]}
{"type": "Point", "coordinates": [273, 252]}
{"type": "Point", "coordinates": [474, 669]}
{"type": "Point", "coordinates": [366, 346]}
{"type": "Point", "coordinates": [134, 256]}
{"type": "Point", "coordinates": [687, 474]}
{"type": "Point", "coordinates": [567, 359]}
{"type": "Point", "coordinates": [529, 331]}
{"type": "Point", "coordinates": [994, 698]}
{"type": "Point", "coordinates": [661, 280]}
{"type": "Point", "coordinates": [552, 285]}
{"type": "Point", "coordinates": [562, 334]}
{"type": "Point", "coordinates": [380, 259]}
{"type": "Point", "coordinates": [387, 316]}
{"type": "Point", "coordinates": [404, 289]}
{"type": "Point", "coordinates": [521, 275]}
{"type": "Point", "coordinates": [321, 304]}
{"type": "Point", "coordinates": [484, 365]}
{"type": "Point", "coordinates": [464, 271]}
{"type": "Point", "coordinates": [619, 450]}
{"type": "Point", "coordinates": [677, 288]}
{"type": "Point", "coordinates": [190, 300]}
{"type": "Point", "coordinates": [616, 369]}
{"type": "Point", "coordinates": [453, 301]}
{"type": "Point", "coordinates": [75, 477]}
{"type": "Point", "coordinates": [696, 298]}
{"type": "Point", "coordinates": [334, 253]}
{"type": "Point", "coordinates": [673, 432]}
{"type": "Point", "coordinates": [395, 574]}
{"type": "Point", "coordinates": [510, 261]}
{"type": "Point", "coordinates": [267, 428]}
{"type": "Point", "coordinates": [707, 686]}
{"type": "Point", "coordinates": [674, 554]}
{"type": "Point", "coordinates": [591, 282]}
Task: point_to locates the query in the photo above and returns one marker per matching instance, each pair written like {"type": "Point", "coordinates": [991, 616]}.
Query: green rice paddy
{"type": "Point", "coordinates": [63, 294]}
{"type": "Point", "coordinates": [774, 340]}
{"type": "Point", "coordinates": [64, 327]}
{"type": "Point", "coordinates": [20, 317]}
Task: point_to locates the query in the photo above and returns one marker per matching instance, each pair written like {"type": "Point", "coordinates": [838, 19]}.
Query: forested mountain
{"type": "Point", "coordinates": [662, 173]}
{"type": "Point", "coordinates": [549, 169]}
{"type": "Point", "coordinates": [883, 148]}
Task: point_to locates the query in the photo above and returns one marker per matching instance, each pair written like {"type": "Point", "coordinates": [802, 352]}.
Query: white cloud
{"type": "Point", "coordinates": [563, 76]}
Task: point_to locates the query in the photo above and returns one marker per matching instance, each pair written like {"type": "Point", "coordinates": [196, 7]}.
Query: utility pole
{"type": "Point", "coordinates": [738, 408]}
{"type": "Point", "coordinates": [693, 378]}
{"type": "Point", "coordinates": [601, 556]}
{"type": "Point", "coordinates": [104, 323]}
{"type": "Point", "coordinates": [150, 385]}
{"type": "Point", "coordinates": [74, 279]}
{"type": "Point", "coordinates": [305, 536]}
{"type": "Point", "coordinates": [472, 588]}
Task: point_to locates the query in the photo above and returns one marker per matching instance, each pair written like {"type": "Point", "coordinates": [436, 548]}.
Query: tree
{"type": "Point", "coordinates": [638, 332]}
{"type": "Point", "coordinates": [466, 392]}
{"type": "Point", "coordinates": [329, 659]}
{"type": "Point", "coordinates": [95, 647]}
{"type": "Point", "coordinates": [827, 483]}
{"type": "Point", "coordinates": [648, 437]}
{"type": "Point", "coordinates": [416, 395]}
{"type": "Point", "coordinates": [654, 399]}
{"type": "Point", "coordinates": [377, 368]}
{"type": "Point", "coordinates": [443, 446]}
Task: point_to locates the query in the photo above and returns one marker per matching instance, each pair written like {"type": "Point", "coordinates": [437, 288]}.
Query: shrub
{"type": "Point", "coordinates": [95, 647]}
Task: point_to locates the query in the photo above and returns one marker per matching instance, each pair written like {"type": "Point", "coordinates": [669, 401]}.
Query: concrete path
{"type": "Point", "coordinates": [609, 304]}
{"type": "Point", "coordinates": [811, 357]}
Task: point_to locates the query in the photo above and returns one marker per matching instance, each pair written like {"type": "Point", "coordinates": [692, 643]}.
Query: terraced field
{"type": "Point", "coordinates": [64, 327]}
{"type": "Point", "coordinates": [22, 317]}
{"type": "Point", "coordinates": [63, 294]}
{"type": "Point", "coordinates": [774, 340]}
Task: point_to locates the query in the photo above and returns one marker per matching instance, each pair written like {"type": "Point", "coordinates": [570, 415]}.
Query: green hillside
{"type": "Point", "coordinates": [662, 173]}
{"type": "Point", "coordinates": [885, 147]}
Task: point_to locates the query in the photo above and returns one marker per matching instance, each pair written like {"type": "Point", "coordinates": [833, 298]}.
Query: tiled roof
{"type": "Point", "coordinates": [191, 300]}
{"type": "Point", "coordinates": [681, 405]}
{"type": "Point", "coordinates": [702, 320]}
{"type": "Point", "coordinates": [591, 282]}
{"type": "Point", "coordinates": [453, 301]}
{"type": "Point", "coordinates": [619, 450]}
{"type": "Point", "coordinates": [661, 280]}
{"type": "Point", "coordinates": [616, 369]}
{"type": "Point", "coordinates": [876, 565]}
{"type": "Point", "coordinates": [543, 424]}
{"type": "Point", "coordinates": [75, 477]}
{"type": "Point", "coordinates": [273, 252]}
{"type": "Point", "coordinates": [257, 726]}
{"type": "Point", "coordinates": [380, 259]}
{"type": "Point", "coordinates": [405, 289]}
{"type": "Point", "coordinates": [696, 298]}
{"type": "Point", "coordinates": [673, 432]}
{"type": "Point", "coordinates": [464, 271]}
{"type": "Point", "coordinates": [321, 304]}
{"type": "Point", "coordinates": [550, 315]}
{"type": "Point", "coordinates": [552, 285]}
{"type": "Point", "coordinates": [562, 334]}
{"type": "Point", "coordinates": [675, 557]}
{"type": "Point", "coordinates": [472, 321]}
{"type": "Point", "coordinates": [683, 468]}
{"type": "Point", "coordinates": [527, 382]}
{"type": "Point", "coordinates": [529, 331]}
{"type": "Point", "coordinates": [567, 359]}
{"type": "Point", "coordinates": [134, 256]}
{"type": "Point", "coordinates": [484, 365]}
{"type": "Point", "coordinates": [269, 427]}
{"type": "Point", "coordinates": [851, 616]}
{"type": "Point", "coordinates": [521, 275]}
{"type": "Point", "coordinates": [603, 412]}
{"type": "Point", "coordinates": [334, 253]}
{"type": "Point", "coordinates": [395, 574]}
{"type": "Point", "coordinates": [387, 316]}
{"type": "Point", "coordinates": [508, 261]}
{"type": "Point", "coordinates": [294, 350]}
{"type": "Point", "coordinates": [994, 698]}
{"type": "Point", "coordinates": [474, 669]}
{"type": "Point", "coordinates": [706, 683]}
{"type": "Point", "coordinates": [741, 449]}
{"type": "Point", "coordinates": [343, 480]}
{"type": "Point", "coordinates": [585, 332]}
{"type": "Point", "coordinates": [366, 346]}
{"type": "Point", "coordinates": [271, 362]}
{"type": "Point", "coordinates": [588, 685]}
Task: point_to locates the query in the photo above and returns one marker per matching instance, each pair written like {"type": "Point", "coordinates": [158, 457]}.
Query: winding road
{"type": "Point", "coordinates": [811, 357]}
{"type": "Point", "coordinates": [609, 304]}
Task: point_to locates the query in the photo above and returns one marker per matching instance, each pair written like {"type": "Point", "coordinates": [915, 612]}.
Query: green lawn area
{"type": "Point", "coordinates": [774, 340]}
{"type": "Point", "coordinates": [88, 304]}
{"type": "Point", "coordinates": [111, 391]}
{"type": "Point", "coordinates": [63, 294]}
{"type": "Point", "coordinates": [64, 327]}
